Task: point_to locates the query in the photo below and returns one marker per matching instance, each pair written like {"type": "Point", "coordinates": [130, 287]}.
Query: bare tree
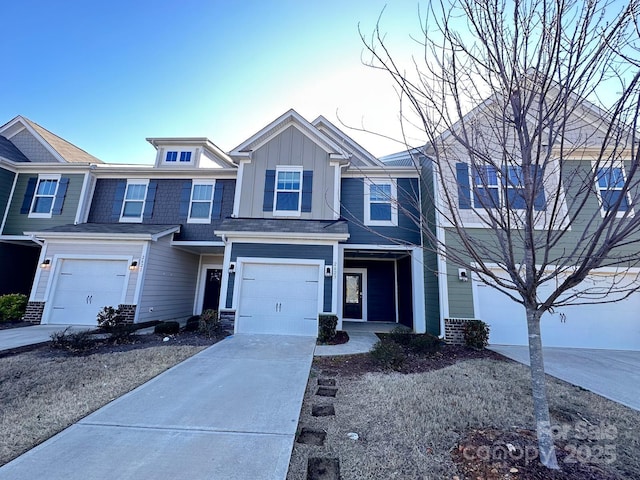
{"type": "Point", "coordinates": [547, 180]}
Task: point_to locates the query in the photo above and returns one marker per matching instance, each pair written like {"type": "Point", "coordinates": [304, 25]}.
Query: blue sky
{"type": "Point", "coordinates": [107, 75]}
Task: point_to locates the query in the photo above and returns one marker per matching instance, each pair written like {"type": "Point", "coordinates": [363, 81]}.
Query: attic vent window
{"type": "Point", "coordinates": [172, 156]}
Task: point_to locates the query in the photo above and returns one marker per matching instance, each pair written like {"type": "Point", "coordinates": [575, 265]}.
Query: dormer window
{"type": "Point", "coordinates": [185, 156]}
{"type": "Point", "coordinates": [171, 156]}
{"type": "Point", "coordinates": [175, 156]}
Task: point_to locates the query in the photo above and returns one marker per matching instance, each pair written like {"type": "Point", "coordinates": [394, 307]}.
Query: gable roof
{"type": "Point", "coordinates": [358, 153]}
{"type": "Point", "coordinates": [9, 151]}
{"type": "Point", "coordinates": [290, 118]}
{"type": "Point", "coordinates": [62, 150]}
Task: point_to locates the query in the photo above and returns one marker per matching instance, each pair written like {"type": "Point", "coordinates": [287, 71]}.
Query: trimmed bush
{"type": "Point", "coordinates": [76, 343]}
{"type": "Point", "coordinates": [424, 343]}
{"type": "Point", "coordinates": [401, 335]}
{"type": "Point", "coordinates": [209, 323]}
{"type": "Point", "coordinates": [476, 334]}
{"type": "Point", "coordinates": [327, 327]}
{"type": "Point", "coordinates": [193, 323]}
{"type": "Point", "coordinates": [388, 354]}
{"type": "Point", "coordinates": [12, 306]}
{"type": "Point", "coordinates": [167, 328]}
{"type": "Point", "coordinates": [108, 317]}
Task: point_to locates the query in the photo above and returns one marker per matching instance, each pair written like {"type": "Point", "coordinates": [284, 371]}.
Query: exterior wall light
{"type": "Point", "coordinates": [134, 265]}
{"type": "Point", "coordinates": [46, 263]}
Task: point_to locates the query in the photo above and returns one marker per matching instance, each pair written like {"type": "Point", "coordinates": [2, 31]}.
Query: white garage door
{"type": "Point", "coordinates": [84, 287]}
{"type": "Point", "coordinates": [608, 326]}
{"type": "Point", "coordinates": [278, 299]}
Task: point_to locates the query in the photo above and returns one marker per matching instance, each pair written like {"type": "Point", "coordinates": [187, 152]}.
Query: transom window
{"type": "Point", "coordinates": [486, 187]}
{"type": "Point", "coordinates": [288, 191]}
{"type": "Point", "coordinates": [44, 196]}
{"type": "Point", "coordinates": [380, 203]}
{"type": "Point", "coordinates": [610, 183]}
{"type": "Point", "coordinates": [134, 198]}
{"type": "Point", "coordinates": [201, 202]}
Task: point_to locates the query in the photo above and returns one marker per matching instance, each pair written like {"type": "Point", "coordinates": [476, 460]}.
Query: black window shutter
{"type": "Point", "coordinates": [60, 194]}
{"type": "Point", "coordinates": [269, 188]}
{"type": "Point", "coordinates": [464, 192]}
{"type": "Point", "coordinates": [307, 190]}
{"type": "Point", "coordinates": [150, 200]}
{"type": "Point", "coordinates": [118, 198]}
{"type": "Point", "coordinates": [540, 201]}
{"type": "Point", "coordinates": [185, 200]}
{"type": "Point", "coordinates": [28, 194]}
{"type": "Point", "coordinates": [216, 211]}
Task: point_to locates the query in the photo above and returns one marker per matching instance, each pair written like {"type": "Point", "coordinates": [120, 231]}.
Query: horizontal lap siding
{"type": "Point", "coordinates": [169, 284]}
{"type": "Point", "coordinates": [282, 251]}
{"type": "Point", "coordinates": [91, 249]}
{"type": "Point", "coordinates": [352, 209]}
{"type": "Point", "coordinates": [17, 223]}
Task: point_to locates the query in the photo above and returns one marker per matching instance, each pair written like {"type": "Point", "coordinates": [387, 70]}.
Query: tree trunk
{"type": "Point", "coordinates": [539, 390]}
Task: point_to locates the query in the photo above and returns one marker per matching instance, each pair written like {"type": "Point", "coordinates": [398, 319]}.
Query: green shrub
{"type": "Point", "coordinates": [401, 335]}
{"type": "Point", "coordinates": [388, 354]}
{"type": "Point", "coordinates": [12, 306]}
{"type": "Point", "coordinates": [76, 343]}
{"type": "Point", "coordinates": [108, 317]}
{"type": "Point", "coordinates": [327, 327]}
{"type": "Point", "coordinates": [193, 323]}
{"type": "Point", "coordinates": [424, 343]}
{"type": "Point", "coordinates": [476, 334]}
{"type": "Point", "coordinates": [167, 328]}
{"type": "Point", "coordinates": [209, 323]}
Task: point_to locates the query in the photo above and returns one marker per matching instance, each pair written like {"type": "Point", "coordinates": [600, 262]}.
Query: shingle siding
{"type": "Point", "coordinates": [32, 148]}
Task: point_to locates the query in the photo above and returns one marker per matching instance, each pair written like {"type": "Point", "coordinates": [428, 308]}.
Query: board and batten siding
{"type": "Point", "coordinates": [352, 205]}
{"type": "Point", "coordinates": [289, 148]}
{"type": "Point", "coordinates": [88, 249]}
{"type": "Point", "coordinates": [283, 251]}
{"type": "Point", "coordinates": [17, 223]}
{"type": "Point", "coordinates": [169, 284]}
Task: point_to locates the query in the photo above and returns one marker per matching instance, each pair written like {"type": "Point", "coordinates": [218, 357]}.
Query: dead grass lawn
{"type": "Point", "coordinates": [44, 391]}
{"type": "Point", "coordinates": [409, 424]}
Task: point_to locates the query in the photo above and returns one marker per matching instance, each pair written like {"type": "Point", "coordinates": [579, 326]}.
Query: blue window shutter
{"type": "Point", "coordinates": [118, 198]}
{"type": "Point", "coordinates": [269, 188]}
{"type": "Point", "coordinates": [150, 200]}
{"type": "Point", "coordinates": [185, 200]}
{"type": "Point", "coordinates": [464, 192]}
{"type": "Point", "coordinates": [540, 201]}
{"type": "Point", "coordinates": [28, 195]}
{"type": "Point", "coordinates": [307, 190]}
{"type": "Point", "coordinates": [60, 194]}
{"type": "Point", "coordinates": [216, 211]}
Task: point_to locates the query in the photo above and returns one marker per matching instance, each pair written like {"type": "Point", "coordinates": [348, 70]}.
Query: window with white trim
{"type": "Point", "coordinates": [610, 182]}
{"type": "Point", "coordinates": [486, 187]}
{"type": "Point", "coordinates": [172, 156]}
{"type": "Point", "coordinates": [380, 207]}
{"type": "Point", "coordinates": [201, 202]}
{"type": "Point", "coordinates": [134, 199]}
{"type": "Point", "coordinates": [185, 157]}
{"type": "Point", "coordinates": [44, 196]}
{"type": "Point", "coordinates": [177, 156]}
{"type": "Point", "coordinates": [288, 191]}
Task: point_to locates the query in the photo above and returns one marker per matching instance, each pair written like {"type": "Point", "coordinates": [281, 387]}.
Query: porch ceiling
{"type": "Point", "coordinates": [361, 254]}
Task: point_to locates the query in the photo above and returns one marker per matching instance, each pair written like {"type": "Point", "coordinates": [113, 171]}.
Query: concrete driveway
{"type": "Point", "coordinates": [614, 374]}
{"type": "Point", "coordinates": [11, 338]}
{"type": "Point", "coordinates": [228, 412]}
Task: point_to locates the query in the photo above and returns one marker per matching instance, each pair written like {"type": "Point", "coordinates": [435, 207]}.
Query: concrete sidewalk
{"type": "Point", "coordinates": [11, 338]}
{"type": "Point", "coordinates": [359, 342]}
{"type": "Point", "coordinates": [230, 412]}
{"type": "Point", "coordinates": [614, 374]}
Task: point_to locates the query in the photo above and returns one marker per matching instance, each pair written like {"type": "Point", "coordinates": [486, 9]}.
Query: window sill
{"type": "Point", "coordinates": [40, 215]}
{"type": "Point", "coordinates": [130, 220]}
{"type": "Point", "coordinates": [199, 220]}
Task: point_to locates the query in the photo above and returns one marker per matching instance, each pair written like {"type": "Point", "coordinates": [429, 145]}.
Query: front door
{"type": "Point", "coordinates": [352, 307]}
{"type": "Point", "coordinates": [212, 289]}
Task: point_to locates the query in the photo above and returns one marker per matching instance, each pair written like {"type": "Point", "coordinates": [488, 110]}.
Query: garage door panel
{"type": "Point", "coordinates": [608, 326]}
{"type": "Point", "coordinates": [278, 298]}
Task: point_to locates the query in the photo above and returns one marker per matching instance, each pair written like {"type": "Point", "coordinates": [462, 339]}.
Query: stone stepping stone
{"type": "Point", "coordinates": [322, 410]}
{"type": "Point", "coordinates": [327, 382]}
{"type": "Point", "coordinates": [309, 436]}
{"type": "Point", "coordinates": [327, 391]}
{"type": "Point", "coordinates": [323, 469]}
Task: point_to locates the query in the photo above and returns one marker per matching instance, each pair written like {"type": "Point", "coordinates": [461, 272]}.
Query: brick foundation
{"type": "Point", "coordinates": [127, 313]}
{"type": "Point", "coordinates": [33, 312]}
{"type": "Point", "coordinates": [454, 330]}
{"type": "Point", "coordinates": [228, 319]}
